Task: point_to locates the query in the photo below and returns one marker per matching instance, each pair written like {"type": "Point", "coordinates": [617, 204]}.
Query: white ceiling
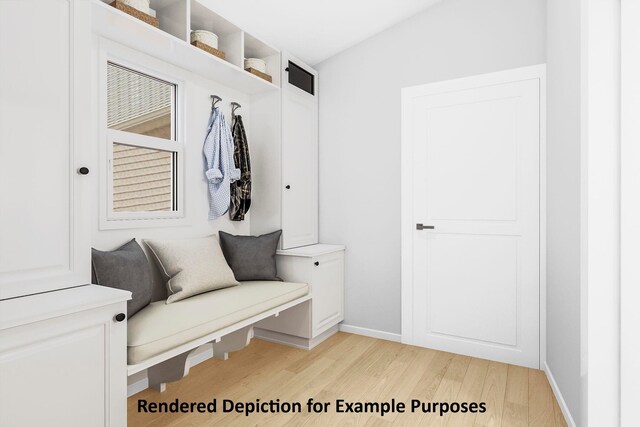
{"type": "Point", "coordinates": [315, 30]}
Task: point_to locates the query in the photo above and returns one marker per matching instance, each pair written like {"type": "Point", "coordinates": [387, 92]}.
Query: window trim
{"type": "Point", "coordinates": [119, 55]}
{"type": "Point", "coordinates": [144, 141]}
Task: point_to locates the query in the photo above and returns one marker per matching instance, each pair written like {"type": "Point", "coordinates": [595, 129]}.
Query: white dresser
{"type": "Point", "coordinates": [63, 359]}
{"type": "Point", "coordinates": [308, 324]}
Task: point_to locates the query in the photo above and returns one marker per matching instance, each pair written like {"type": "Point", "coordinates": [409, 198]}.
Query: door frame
{"type": "Point", "coordinates": [406, 191]}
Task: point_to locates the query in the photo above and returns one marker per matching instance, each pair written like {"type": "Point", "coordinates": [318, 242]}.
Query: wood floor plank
{"type": "Point", "coordinates": [356, 368]}
{"type": "Point", "coordinates": [430, 380]}
{"type": "Point", "coordinates": [332, 349]}
{"type": "Point", "coordinates": [516, 399]}
{"type": "Point", "coordinates": [471, 391]}
{"type": "Point", "coordinates": [332, 372]}
{"type": "Point", "coordinates": [541, 397]}
{"type": "Point", "coordinates": [449, 388]}
{"type": "Point", "coordinates": [402, 376]}
{"type": "Point", "coordinates": [493, 391]}
{"type": "Point", "coordinates": [427, 387]}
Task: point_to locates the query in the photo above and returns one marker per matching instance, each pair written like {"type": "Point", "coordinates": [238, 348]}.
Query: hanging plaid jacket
{"type": "Point", "coordinates": [240, 189]}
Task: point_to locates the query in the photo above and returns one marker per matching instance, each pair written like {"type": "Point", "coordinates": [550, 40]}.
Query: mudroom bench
{"type": "Point", "coordinates": [162, 336]}
{"type": "Point", "coordinates": [300, 311]}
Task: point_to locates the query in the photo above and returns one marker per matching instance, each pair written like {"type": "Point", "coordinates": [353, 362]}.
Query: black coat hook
{"type": "Point", "coordinates": [234, 107]}
{"type": "Point", "coordinates": [214, 100]}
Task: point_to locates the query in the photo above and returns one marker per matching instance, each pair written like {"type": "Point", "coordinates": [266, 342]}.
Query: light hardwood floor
{"type": "Point", "coordinates": [357, 368]}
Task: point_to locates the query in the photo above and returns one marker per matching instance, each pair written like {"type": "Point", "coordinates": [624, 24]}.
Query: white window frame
{"type": "Point", "coordinates": [121, 56]}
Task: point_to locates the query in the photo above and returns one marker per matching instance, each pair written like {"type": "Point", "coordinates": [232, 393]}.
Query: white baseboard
{"type": "Point", "coordinates": [556, 391]}
{"type": "Point", "coordinates": [373, 333]}
{"type": "Point", "coordinates": [137, 386]}
{"type": "Point", "coordinates": [292, 341]}
{"type": "Point", "coordinates": [204, 353]}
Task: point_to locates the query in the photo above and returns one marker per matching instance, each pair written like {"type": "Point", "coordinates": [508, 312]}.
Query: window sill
{"type": "Point", "coordinates": [124, 224]}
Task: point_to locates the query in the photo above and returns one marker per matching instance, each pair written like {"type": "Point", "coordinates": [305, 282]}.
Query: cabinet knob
{"type": "Point", "coordinates": [288, 187]}
{"type": "Point", "coordinates": [83, 170]}
{"type": "Point", "coordinates": [120, 317]}
{"type": "Point", "coordinates": [317, 263]}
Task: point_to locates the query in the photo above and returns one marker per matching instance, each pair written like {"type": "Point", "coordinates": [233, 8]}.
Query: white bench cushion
{"type": "Point", "coordinates": [160, 327]}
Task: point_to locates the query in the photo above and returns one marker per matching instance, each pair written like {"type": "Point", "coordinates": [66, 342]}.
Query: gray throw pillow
{"type": "Point", "coordinates": [250, 257]}
{"type": "Point", "coordinates": [125, 268]}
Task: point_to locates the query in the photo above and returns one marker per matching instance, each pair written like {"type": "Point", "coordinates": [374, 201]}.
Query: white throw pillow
{"type": "Point", "coordinates": [192, 266]}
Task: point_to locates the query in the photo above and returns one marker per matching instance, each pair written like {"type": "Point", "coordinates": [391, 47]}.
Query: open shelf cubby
{"type": "Point", "coordinates": [230, 37]}
{"type": "Point", "coordinates": [256, 48]}
{"type": "Point", "coordinates": [172, 15]}
{"type": "Point", "coordinates": [171, 42]}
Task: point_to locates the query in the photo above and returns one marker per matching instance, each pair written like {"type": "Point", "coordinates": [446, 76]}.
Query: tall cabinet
{"type": "Point", "coordinates": [62, 341]}
{"type": "Point", "coordinates": [284, 134]}
{"type": "Point", "coordinates": [43, 239]}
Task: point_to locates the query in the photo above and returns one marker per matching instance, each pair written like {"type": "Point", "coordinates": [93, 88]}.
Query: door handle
{"type": "Point", "coordinates": [425, 227]}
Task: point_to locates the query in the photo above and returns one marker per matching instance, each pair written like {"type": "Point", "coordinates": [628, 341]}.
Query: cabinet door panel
{"type": "Point", "coordinates": [328, 292]}
{"type": "Point", "coordinates": [72, 368]}
{"type": "Point", "coordinates": [67, 394]}
{"type": "Point", "coordinates": [37, 234]}
{"type": "Point", "coordinates": [299, 167]}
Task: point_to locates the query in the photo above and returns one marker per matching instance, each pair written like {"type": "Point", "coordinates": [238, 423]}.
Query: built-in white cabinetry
{"type": "Point", "coordinates": [322, 267]}
{"type": "Point", "coordinates": [62, 354]}
{"type": "Point", "coordinates": [171, 41]}
{"type": "Point", "coordinates": [63, 358]}
{"type": "Point", "coordinates": [43, 233]}
{"type": "Point", "coordinates": [283, 130]}
{"type": "Point", "coordinates": [284, 148]}
{"type": "Point", "coordinates": [299, 158]}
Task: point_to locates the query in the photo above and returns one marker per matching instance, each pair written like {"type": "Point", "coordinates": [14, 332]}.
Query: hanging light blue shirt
{"type": "Point", "coordinates": [220, 169]}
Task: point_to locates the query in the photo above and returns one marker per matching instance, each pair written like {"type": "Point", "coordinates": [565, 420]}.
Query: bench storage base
{"type": "Point", "coordinates": [177, 367]}
{"type": "Point", "coordinates": [292, 340]}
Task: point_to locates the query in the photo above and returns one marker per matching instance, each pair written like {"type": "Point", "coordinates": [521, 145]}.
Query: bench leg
{"type": "Point", "coordinates": [232, 342]}
{"type": "Point", "coordinates": [170, 370]}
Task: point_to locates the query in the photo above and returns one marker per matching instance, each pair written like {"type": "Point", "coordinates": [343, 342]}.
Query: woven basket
{"type": "Point", "coordinates": [260, 74]}
{"type": "Point", "coordinates": [256, 64]}
{"type": "Point", "coordinates": [220, 54]}
{"type": "Point", "coordinates": [205, 37]}
{"type": "Point", "coordinates": [136, 13]}
{"type": "Point", "coordinates": [141, 5]}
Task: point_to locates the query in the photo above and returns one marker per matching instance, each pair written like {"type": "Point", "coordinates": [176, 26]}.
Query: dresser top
{"type": "Point", "coordinates": [33, 308]}
{"type": "Point", "coordinates": [312, 250]}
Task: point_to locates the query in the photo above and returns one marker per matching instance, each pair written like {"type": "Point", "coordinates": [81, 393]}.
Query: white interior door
{"type": "Point", "coordinates": [473, 147]}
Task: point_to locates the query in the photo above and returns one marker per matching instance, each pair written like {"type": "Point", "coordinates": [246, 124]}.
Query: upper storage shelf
{"type": "Point", "coordinates": [171, 42]}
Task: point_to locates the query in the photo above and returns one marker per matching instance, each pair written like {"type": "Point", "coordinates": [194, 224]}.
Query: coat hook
{"type": "Point", "coordinates": [214, 100]}
{"type": "Point", "coordinates": [234, 107]}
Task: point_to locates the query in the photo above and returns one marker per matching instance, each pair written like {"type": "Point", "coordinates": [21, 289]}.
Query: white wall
{"type": "Point", "coordinates": [360, 130]}
{"type": "Point", "coordinates": [563, 199]}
